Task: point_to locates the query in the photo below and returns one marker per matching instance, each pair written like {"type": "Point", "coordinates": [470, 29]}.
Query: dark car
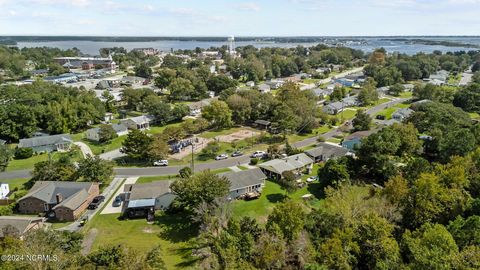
{"type": "Point", "coordinates": [96, 202]}
{"type": "Point", "coordinates": [117, 202]}
{"type": "Point", "coordinates": [237, 154]}
{"type": "Point", "coordinates": [380, 117]}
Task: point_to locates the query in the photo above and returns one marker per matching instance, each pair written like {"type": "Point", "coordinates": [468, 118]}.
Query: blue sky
{"type": "Point", "coordinates": [239, 18]}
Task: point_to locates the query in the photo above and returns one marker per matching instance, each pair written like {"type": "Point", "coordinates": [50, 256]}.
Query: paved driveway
{"type": "Point", "coordinates": [112, 155]}
{"type": "Point", "coordinates": [86, 151]}
{"type": "Point", "coordinates": [109, 209]}
{"type": "Point", "coordinates": [108, 193]}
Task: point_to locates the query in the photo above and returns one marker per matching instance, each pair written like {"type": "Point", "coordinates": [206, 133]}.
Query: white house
{"type": "Point", "coordinates": [139, 122]}
{"type": "Point", "coordinates": [93, 134]}
{"type": "Point", "coordinates": [4, 190]}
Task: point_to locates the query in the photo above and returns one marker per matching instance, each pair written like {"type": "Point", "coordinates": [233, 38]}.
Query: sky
{"type": "Point", "coordinates": [239, 17]}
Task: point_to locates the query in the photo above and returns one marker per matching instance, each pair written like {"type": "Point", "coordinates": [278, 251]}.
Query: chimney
{"type": "Point", "coordinates": [59, 198]}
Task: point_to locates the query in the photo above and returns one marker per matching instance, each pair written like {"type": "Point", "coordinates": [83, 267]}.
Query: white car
{"type": "Point", "coordinates": [222, 156]}
{"type": "Point", "coordinates": [258, 154]}
{"type": "Point", "coordinates": [312, 179]}
{"type": "Point", "coordinates": [160, 163]}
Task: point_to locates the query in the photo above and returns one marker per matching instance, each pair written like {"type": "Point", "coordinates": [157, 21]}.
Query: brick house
{"type": "Point", "coordinates": [65, 200]}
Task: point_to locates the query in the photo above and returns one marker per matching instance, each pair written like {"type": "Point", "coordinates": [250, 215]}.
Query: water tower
{"type": "Point", "coordinates": [231, 45]}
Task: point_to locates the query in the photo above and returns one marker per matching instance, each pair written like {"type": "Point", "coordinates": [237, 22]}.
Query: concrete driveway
{"type": "Point", "coordinates": [109, 209]}
{"type": "Point", "coordinates": [108, 193]}
{"type": "Point", "coordinates": [86, 151]}
{"type": "Point", "coordinates": [112, 155]}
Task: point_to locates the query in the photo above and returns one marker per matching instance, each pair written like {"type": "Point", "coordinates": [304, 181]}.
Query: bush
{"type": "Point", "coordinates": [321, 139]}
{"type": "Point", "coordinates": [254, 161]}
{"type": "Point", "coordinates": [23, 153]}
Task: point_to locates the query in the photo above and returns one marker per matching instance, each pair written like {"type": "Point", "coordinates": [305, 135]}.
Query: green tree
{"type": "Point", "coordinates": [158, 149]}
{"type": "Point", "coordinates": [136, 145]}
{"type": "Point", "coordinates": [204, 187]}
{"type": "Point", "coordinates": [106, 133]}
{"type": "Point", "coordinates": [143, 70]}
{"type": "Point", "coordinates": [396, 89]}
{"type": "Point", "coordinates": [368, 95]}
{"type": "Point", "coordinates": [165, 77]}
{"type": "Point", "coordinates": [218, 114]}
{"type": "Point", "coordinates": [333, 173]}
{"type": "Point", "coordinates": [95, 169]}
{"type": "Point", "coordinates": [362, 121]}
{"type": "Point", "coordinates": [219, 83]}
{"type": "Point", "coordinates": [466, 232]}
{"type": "Point", "coordinates": [5, 157]}
{"type": "Point", "coordinates": [289, 217]}
{"type": "Point", "coordinates": [181, 89]}
{"type": "Point", "coordinates": [430, 247]}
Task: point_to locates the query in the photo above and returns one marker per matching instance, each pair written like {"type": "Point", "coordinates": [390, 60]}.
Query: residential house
{"type": "Point", "coordinates": [344, 82]}
{"type": "Point", "coordinates": [275, 84]}
{"type": "Point", "coordinates": [244, 182]}
{"type": "Point", "coordinates": [439, 78]}
{"type": "Point", "coordinates": [4, 191]}
{"type": "Point", "coordinates": [250, 83]}
{"type": "Point", "coordinates": [196, 107]}
{"type": "Point", "coordinates": [147, 51]}
{"type": "Point", "coordinates": [61, 199]}
{"type": "Point", "coordinates": [18, 226]}
{"type": "Point", "coordinates": [263, 124]}
{"type": "Point", "coordinates": [140, 122]}
{"type": "Point", "coordinates": [322, 93]}
{"type": "Point", "coordinates": [108, 117]}
{"type": "Point", "coordinates": [144, 199]}
{"type": "Point", "coordinates": [354, 140]}
{"type": "Point", "coordinates": [356, 77]}
{"type": "Point", "coordinates": [382, 91]}
{"type": "Point", "coordinates": [326, 151]}
{"type": "Point", "coordinates": [264, 88]}
{"type": "Point", "coordinates": [323, 70]}
{"type": "Point", "coordinates": [296, 164]}
{"type": "Point", "coordinates": [39, 72]}
{"type": "Point", "coordinates": [402, 114]}
{"type": "Point", "coordinates": [61, 142]}
{"type": "Point", "coordinates": [93, 134]}
{"type": "Point", "coordinates": [337, 107]}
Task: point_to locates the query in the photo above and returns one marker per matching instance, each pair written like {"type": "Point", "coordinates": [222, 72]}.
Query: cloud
{"type": "Point", "coordinates": [248, 7]}
{"type": "Point", "coordinates": [77, 3]}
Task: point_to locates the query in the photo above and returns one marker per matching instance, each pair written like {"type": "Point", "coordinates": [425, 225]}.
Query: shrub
{"type": "Point", "coordinates": [254, 161]}
{"type": "Point", "coordinates": [321, 139]}
{"type": "Point", "coordinates": [23, 153]}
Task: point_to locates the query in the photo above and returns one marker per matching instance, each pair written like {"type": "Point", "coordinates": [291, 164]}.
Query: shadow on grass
{"type": "Point", "coordinates": [317, 190]}
{"type": "Point", "coordinates": [176, 227]}
{"type": "Point", "coordinates": [276, 198]}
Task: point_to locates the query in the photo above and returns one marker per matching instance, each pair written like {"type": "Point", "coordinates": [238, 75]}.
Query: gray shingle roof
{"type": "Point", "coordinates": [287, 164]}
{"type": "Point", "coordinates": [148, 190]}
{"type": "Point", "coordinates": [18, 222]}
{"type": "Point", "coordinates": [44, 140]}
{"type": "Point", "coordinates": [47, 191]}
{"type": "Point", "coordinates": [327, 150]}
{"type": "Point", "coordinates": [245, 178]}
{"type": "Point", "coordinates": [74, 201]}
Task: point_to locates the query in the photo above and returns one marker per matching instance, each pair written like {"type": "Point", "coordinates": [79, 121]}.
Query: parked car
{"type": "Point", "coordinates": [222, 156]}
{"type": "Point", "coordinates": [162, 162]}
{"type": "Point", "coordinates": [117, 201]}
{"type": "Point", "coordinates": [96, 202]}
{"type": "Point", "coordinates": [312, 179]}
{"type": "Point", "coordinates": [258, 154]}
{"type": "Point", "coordinates": [380, 117]}
{"type": "Point", "coordinates": [83, 221]}
{"type": "Point", "coordinates": [237, 154]}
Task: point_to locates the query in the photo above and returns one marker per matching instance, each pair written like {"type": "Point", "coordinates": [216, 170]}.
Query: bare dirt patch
{"type": "Point", "coordinates": [236, 136]}
{"type": "Point", "coordinates": [198, 145]}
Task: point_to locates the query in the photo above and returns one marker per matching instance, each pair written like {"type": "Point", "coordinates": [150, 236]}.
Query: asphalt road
{"type": "Point", "coordinates": [171, 170]}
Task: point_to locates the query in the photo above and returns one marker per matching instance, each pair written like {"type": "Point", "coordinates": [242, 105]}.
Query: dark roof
{"type": "Point", "coordinates": [73, 193]}
{"type": "Point", "coordinates": [263, 122]}
{"type": "Point", "coordinates": [360, 134]}
{"type": "Point", "coordinates": [18, 222]}
{"type": "Point", "coordinates": [44, 140]}
{"type": "Point", "coordinates": [327, 150]}
{"type": "Point", "coordinates": [148, 190]}
{"type": "Point", "coordinates": [245, 178]}
{"type": "Point", "coordinates": [287, 164]}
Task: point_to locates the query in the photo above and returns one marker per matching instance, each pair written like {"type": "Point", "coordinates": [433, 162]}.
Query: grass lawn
{"type": "Point", "coordinates": [171, 232]}
{"type": "Point", "coordinates": [272, 194]}
{"type": "Point", "coordinates": [243, 168]}
{"type": "Point", "coordinates": [347, 114]}
{"type": "Point", "coordinates": [17, 183]}
{"type": "Point", "coordinates": [215, 133]}
{"type": "Point", "coordinates": [292, 138]}
{"type": "Point", "coordinates": [387, 112]}
{"type": "Point", "coordinates": [149, 179]}
{"type": "Point", "coordinates": [406, 95]}
{"type": "Point", "coordinates": [99, 148]}
{"type": "Point", "coordinates": [474, 115]}
{"type": "Point", "coordinates": [334, 140]}
{"type": "Point", "coordinates": [160, 129]}
{"type": "Point", "coordinates": [310, 81]}
{"type": "Point", "coordinates": [23, 164]}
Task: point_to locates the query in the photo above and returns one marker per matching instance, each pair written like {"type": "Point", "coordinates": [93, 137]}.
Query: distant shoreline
{"type": "Point", "coordinates": [282, 39]}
